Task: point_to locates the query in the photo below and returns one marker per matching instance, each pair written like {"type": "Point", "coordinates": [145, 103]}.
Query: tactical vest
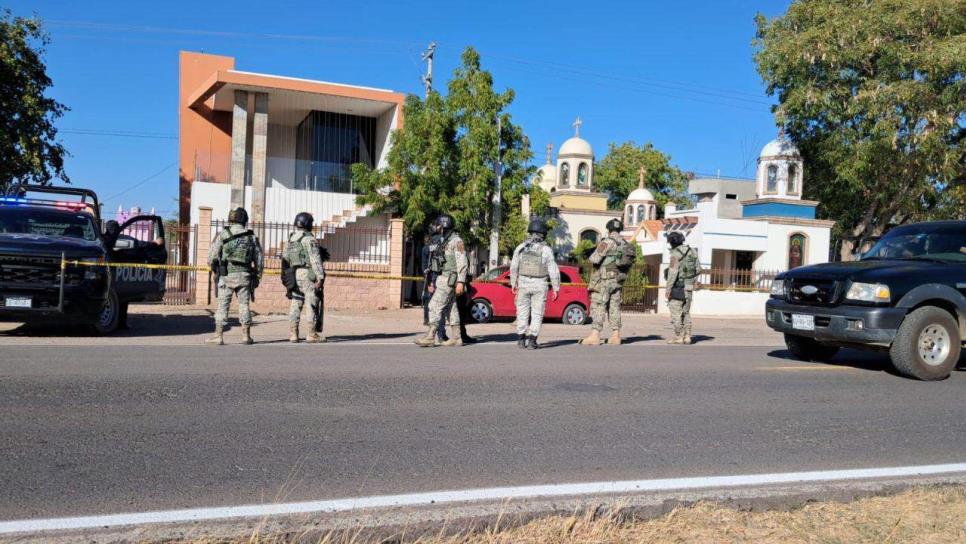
{"type": "Point", "coordinates": [687, 269]}
{"type": "Point", "coordinates": [295, 252]}
{"type": "Point", "coordinates": [449, 261]}
{"type": "Point", "coordinates": [531, 261]}
{"type": "Point", "coordinates": [238, 250]}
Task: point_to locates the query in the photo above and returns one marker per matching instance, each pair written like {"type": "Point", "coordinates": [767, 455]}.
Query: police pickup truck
{"type": "Point", "coordinates": [905, 296]}
{"type": "Point", "coordinates": [38, 234]}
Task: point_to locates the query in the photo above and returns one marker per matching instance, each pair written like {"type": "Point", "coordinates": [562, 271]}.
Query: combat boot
{"type": "Point", "coordinates": [532, 342]}
{"type": "Point", "coordinates": [454, 337]}
{"type": "Point", "coordinates": [247, 335]}
{"type": "Point", "coordinates": [522, 341]}
{"type": "Point", "coordinates": [615, 338]}
{"type": "Point", "coordinates": [428, 340]}
{"type": "Point", "coordinates": [315, 338]}
{"type": "Point", "coordinates": [293, 333]}
{"type": "Point", "coordinates": [218, 339]}
{"type": "Point", "coordinates": [676, 340]}
{"type": "Point", "coordinates": [686, 340]}
{"type": "Point", "coordinates": [593, 339]}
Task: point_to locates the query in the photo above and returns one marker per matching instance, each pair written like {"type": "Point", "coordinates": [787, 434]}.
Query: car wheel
{"type": "Point", "coordinates": [574, 314]}
{"type": "Point", "coordinates": [481, 311]}
{"type": "Point", "coordinates": [927, 344]}
{"type": "Point", "coordinates": [108, 319]}
{"type": "Point", "coordinates": [807, 349]}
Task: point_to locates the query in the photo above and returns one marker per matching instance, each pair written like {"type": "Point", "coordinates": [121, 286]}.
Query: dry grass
{"type": "Point", "coordinates": [928, 515]}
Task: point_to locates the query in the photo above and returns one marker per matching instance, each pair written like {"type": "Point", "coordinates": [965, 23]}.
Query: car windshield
{"type": "Point", "coordinates": [47, 223]}
{"type": "Point", "coordinates": [922, 242]}
{"type": "Point", "coordinates": [492, 273]}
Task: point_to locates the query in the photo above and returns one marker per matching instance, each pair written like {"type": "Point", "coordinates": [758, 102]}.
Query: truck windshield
{"type": "Point", "coordinates": [47, 223]}
{"type": "Point", "coordinates": [922, 242]}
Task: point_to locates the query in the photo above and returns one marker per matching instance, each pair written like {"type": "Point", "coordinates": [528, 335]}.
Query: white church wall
{"type": "Point", "coordinates": [776, 257]}
{"type": "Point", "coordinates": [572, 224]}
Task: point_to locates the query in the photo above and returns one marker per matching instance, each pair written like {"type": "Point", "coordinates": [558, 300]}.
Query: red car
{"type": "Point", "coordinates": [492, 297]}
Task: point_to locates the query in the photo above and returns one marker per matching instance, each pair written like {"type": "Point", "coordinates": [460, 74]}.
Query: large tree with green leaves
{"type": "Point", "coordinates": [442, 160]}
{"type": "Point", "coordinates": [618, 174]}
{"type": "Point", "coordinates": [874, 94]}
{"type": "Point", "coordinates": [29, 150]}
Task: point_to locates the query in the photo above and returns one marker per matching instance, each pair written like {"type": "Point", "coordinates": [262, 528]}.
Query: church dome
{"type": "Point", "coordinates": [640, 195]}
{"type": "Point", "coordinates": [780, 147]}
{"type": "Point", "coordinates": [576, 146]}
{"type": "Point", "coordinates": [546, 177]}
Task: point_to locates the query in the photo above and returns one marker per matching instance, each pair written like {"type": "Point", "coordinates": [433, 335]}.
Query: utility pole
{"type": "Point", "coordinates": [496, 200]}
{"type": "Point", "coordinates": [428, 57]}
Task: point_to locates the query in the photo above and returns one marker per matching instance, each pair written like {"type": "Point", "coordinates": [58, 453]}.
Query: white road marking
{"type": "Point", "coordinates": [469, 495]}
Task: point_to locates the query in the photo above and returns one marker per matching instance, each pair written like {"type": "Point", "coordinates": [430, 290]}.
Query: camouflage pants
{"type": "Point", "coordinates": [309, 295]}
{"type": "Point", "coordinates": [681, 314]}
{"type": "Point", "coordinates": [606, 303]}
{"type": "Point", "coordinates": [443, 303]}
{"type": "Point", "coordinates": [531, 302]}
{"type": "Point", "coordinates": [237, 284]}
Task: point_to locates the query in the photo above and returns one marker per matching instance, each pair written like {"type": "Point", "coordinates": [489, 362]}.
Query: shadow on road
{"type": "Point", "coordinates": [372, 336]}
{"type": "Point", "coordinates": [861, 360]}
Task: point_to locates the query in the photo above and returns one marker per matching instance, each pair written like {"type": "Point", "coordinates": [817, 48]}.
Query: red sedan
{"type": "Point", "coordinates": [492, 297]}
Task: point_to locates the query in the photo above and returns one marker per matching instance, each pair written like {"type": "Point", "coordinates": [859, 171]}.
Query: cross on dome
{"type": "Point", "coordinates": [641, 173]}
{"type": "Point", "coordinates": [549, 153]}
{"type": "Point", "coordinates": [576, 126]}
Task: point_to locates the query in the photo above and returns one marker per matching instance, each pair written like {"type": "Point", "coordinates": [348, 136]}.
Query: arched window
{"type": "Point", "coordinates": [640, 213]}
{"type": "Point", "coordinates": [792, 187]}
{"type": "Point", "coordinates": [582, 175]}
{"type": "Point", "coordinates": [565, 175]}
{"type": "Point", "coordinates": [653, 212]}
{"type": "Point", "coordinates": [796, 250]}
{"type": "Point", "coordinates": [772, 181]}
{"type": "Point", "coordinates": [589, 235]}
{"type": "Point", "coordinates": [630, 215]}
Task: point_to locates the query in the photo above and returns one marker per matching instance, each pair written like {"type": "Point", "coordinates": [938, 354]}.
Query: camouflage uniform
{"type": "Point", "coordinates": [607, 282]}
{"type": "Point", "coordinates": [452, 271]}
{"type": "Point", "coordinates": [243, 257]}
{"type": "Point", "coordinates": [532, 264]}
{"type": "Point", "coordinates": [681, 273]}
{"type": "Point", "coordinates": [302, 253]}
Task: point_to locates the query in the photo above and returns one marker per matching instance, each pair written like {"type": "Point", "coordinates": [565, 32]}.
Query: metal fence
{"type": "Point", "coordinates": [716, 279]}
{"type": "Point", "coordinates": [180, 240]}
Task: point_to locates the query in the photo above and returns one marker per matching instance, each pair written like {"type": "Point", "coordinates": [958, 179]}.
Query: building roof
{"type": "Point", "coordinates": [640, 194]}
{"type": "Point", "coordinates": [779, 147]}
{"type": "Point", "coordinates": [576, 146]}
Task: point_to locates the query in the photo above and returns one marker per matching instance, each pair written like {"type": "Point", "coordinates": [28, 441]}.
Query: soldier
{"type": "Point", "coordinates": [237, 256]}
{"type": "Point", "coordinates": [449, 264]}
{"type": "Point", "coordinates": [532, 265]}
{"type": "Point", "coordinates": [680, 286]}
{"type": "Point", "coordinates": [612, 260]}
{"type": "Point", "coordinates": [303, 255]}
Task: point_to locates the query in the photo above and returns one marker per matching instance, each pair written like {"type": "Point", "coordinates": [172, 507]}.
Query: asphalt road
{"type": "Point", "coordinates": [99, 430]}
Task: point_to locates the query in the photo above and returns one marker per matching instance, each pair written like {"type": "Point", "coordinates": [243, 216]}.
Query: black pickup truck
{"type": "Point", "coordinates": [905, 296]}
{"type": "Point", "coordinates": [37, 234]}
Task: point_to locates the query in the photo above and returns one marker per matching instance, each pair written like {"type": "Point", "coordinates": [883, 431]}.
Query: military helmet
{"type": "Point", "coordinates": [444, 223]}
{"type": "Point", "coordinates": [538, 225]}
{"type": "Point", "coordinates": [304, 220]}
{"type": "Point", "coordinates": [238, 215]}
{"type": "Point", "coordinates": [675, 238]}
{"type": "Point", "coordinates": [615, 225]}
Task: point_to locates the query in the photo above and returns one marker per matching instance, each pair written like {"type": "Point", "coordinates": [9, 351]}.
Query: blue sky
{"type": "Point", "coordinates": [677, 74]}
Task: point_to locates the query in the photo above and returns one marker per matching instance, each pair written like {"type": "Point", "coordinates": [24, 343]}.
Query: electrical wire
{"type": "Point", "coordinates": [142, 182]}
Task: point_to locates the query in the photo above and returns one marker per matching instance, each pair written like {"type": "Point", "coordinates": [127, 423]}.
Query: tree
{"type": "Point", "coordinates": [617, 174]}
{"type": "Point", "coordinates": [874, 95]}
{"type": "Point", "coordinates": [29, 151]}
{"type": "Point", "coordinates": [442, 160]}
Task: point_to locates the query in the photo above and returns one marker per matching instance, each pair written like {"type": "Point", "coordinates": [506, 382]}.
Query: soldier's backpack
{"type": "Point", "coordinates": [628, 254]}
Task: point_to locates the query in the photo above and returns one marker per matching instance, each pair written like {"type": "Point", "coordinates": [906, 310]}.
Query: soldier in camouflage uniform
{"type": "Point", "coordinates": [449, 264]}
{"type": "Point", "coordinates": [237, 256]}
{"type": "Point", "coordinates": [612, 260]}
{"type": "Point", "coordinates": [680, 286]}
{"type": "Point", "coordinates": [532, 265]}
{"type": "Point", "coordinates": [302, 254]}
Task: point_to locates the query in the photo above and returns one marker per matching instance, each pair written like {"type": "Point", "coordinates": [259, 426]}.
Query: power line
{"type": "Point", "coordinates": [118, 133]}
{"type": "Point", "coordinates": [142, 182]}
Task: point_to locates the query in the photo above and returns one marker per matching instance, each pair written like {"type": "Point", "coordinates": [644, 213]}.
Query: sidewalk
{"type": "Point", "coordinates": [155, 325]}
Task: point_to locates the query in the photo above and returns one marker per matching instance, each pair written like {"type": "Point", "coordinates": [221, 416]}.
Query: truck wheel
{"type": "Point", "coordinates": [807, 349]}
{"type": "Point", "coordinates": [927, 345]}
{"type": "Point", "coordinates": [107, 320]}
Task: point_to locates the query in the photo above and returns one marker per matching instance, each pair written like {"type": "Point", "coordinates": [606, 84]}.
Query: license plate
{"type": "Point", "coordinates": [18, 302]}
{"type": "Point", "coordinates": [803, 322]}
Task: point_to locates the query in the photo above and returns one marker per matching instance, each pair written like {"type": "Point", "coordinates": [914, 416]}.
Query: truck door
{"type": "Point", "coordinates": [141, 241]}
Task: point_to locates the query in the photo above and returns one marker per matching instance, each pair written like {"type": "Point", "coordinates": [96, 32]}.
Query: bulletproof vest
{"type": "Point", "coordinates": [295, 252]}
{"type": "Point", "coordinates": [449, 260]}
{"type": "Point", "coordinates": [531, 261]}
{"type": "Point", "coordinates": [687, 264]}
{"type": "Point", "coordinates": [238, 250]}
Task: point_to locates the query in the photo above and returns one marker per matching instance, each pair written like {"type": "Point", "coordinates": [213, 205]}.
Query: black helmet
{"type": "Point", "coordinates": [444, 223]}
{"type": "Point", "coordinates": [675, 238]}
{"type": "Point", "coordinates": [615, 225]}
{"type": "Point", "coordinates": [304, 220]}
{"type": "Point", "coordinates": [238, 215]}
{"type": "Point", "coordinates": [538, 225]}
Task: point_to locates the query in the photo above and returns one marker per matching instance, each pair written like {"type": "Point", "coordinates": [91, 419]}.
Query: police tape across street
{"type": "Point", "coordinates": [237, 260]}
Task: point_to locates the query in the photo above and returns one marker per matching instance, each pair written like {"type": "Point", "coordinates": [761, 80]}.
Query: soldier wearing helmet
{"type": "Point", "coordinates": [679, 289]}
{"type": "Point", "coordinates": [237, 257]}
{"type": "Point", "coordinates": [532, 265]}
{"type": "Point", "coordinates": [304, 256]}
{"type": "Point", "coordinates": [449, 264]}
{"type": "Point", "coordinates": [612, 260]}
